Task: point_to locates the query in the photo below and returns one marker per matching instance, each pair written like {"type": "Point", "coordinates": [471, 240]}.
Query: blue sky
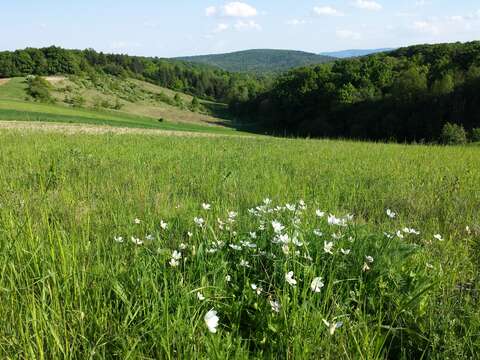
{"type": "Point", "coordinates": [186, 27]}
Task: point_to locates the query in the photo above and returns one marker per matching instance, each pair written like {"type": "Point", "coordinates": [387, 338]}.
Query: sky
{"type": "Point", "coordinates": [168, 28]}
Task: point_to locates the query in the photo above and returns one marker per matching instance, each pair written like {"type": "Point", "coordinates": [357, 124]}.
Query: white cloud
{"type": "Point", "coordinates": [368, 5]}
{"type": "Point", "coordinates": [239, 9]}
{"type": "Point", "coordinates": [348, 34]}
{"type": "Point", "coordinates": [327, 10]}
{"type": "Point", "coordinates": [221, 28]}
{"type": "Point", "coordinates": [247, 25]}
{"type": "Point", "coordinates": [211, 11]}
{"type": "Point", "coordinates": [426, 27]}
{"type": "Point", "coordinates": [296, 22]}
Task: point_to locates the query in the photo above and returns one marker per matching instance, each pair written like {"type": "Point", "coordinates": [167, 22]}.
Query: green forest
{"type": "Point", "coordinates": [407, 95]}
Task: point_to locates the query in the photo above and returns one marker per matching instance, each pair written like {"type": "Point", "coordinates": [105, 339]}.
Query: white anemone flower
{"type": "Point", "coordinates": [317, 284]}
{"type": "Point", "coordinates": [228, 278]}
{"type": "Point", "coordinates": [253, 235]}
{"type": "Point", "coordinates": [176, 255]}
{"type": "Point", "coordinates": [438, 237]}
{"type": "Point", "coordinates": [365, 267]}
{"type": "Point", "coordinates": [235, 247]}
{"type": "Point", "coordinates": [182, 246]}
{"type": "Point", "coordinates": [345, 251]}
{"type": "Point", "coordinates": [244, 263]}
{"type": "Point", "coordinates": [369, 259]}
{"type": "Point", "coordinates": [290, 207]}
{"type": "Point", "coordinates": [286, 249]}
{"type": "Point", "coordinates": [399, 234]}
{"type": "Point", "coordinates": [163, 225]}
{"type": "Point", "coordinates": [149, 237]}
{"type": "Point", "coordinates": [275, 306]}
{"type": "Point", "coordinates": [320, 213]}
{"type": "Point", "coordinates": [333, 220]}
{"type": "Point", "coordinates": [173, 262]}
{"type": "Point", "coordinates": [118, 239]}
{"type": "Point", "coordinates": [189, 234]}
{"type": "Point", "coordinates": [391, 214]}
{"type": "Point", "coordinates": [332, 326]}
{"type": "Point", "coordinates": [200, 296]}
{"type": "Point", "coordinates": [289, 278]}
{"type": "Point", "coordinates": [318, 233]}
{"type": "Point", "coordinates": [136, 240]}
{"type": "Point", "coordinates": [277, 227]}
{"type": "Point", "coordinates": [267, 201]}
{"type": "Point", "coordinates": [199, 221]}
{"type": "Point", "coordinates": [328, 247]}
{"type": "Point", "coordinates": [211, 319]}
{"type": "Point", "coordinates": [137, 221]}
{"type": "Point", "coordinates": [206, 206]}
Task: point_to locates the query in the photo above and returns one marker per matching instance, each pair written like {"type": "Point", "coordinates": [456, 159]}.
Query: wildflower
{"type": "Point", "coordinates": [211, 319]}
{"type": "Point", "coordinates": [149, 237]}
{"type": "Point", "coordinates": [136, 241]}
{"type": "Point", "coordinates": [317, 284]}
{"type": "Point", "coordinates": [212, 251]}
{"type": "Point", "coordinates": [244, 263]}
{"type": "Point", "coordinates": [285, 239]}
{"type": "Point", "coordinates": [199, 221]}
{"type": "Point", "coordinates": [429, 266]}
{"type": "Point", "coordinates": [290, 207]}
{"type": "Point", "coordinates": [328, 247]}
{"type": "Point", "coordinates": [337, 236]}
{"type": "Point", "coordinates": [163, 225]}
{"type": "Point", "coordinates": [137, 221]}
{"type": "Point", "coordinates": [228, 278]}
{"type": "Point", "coordinates": [275, 306]}
{"type": "Point", "coordinates": [235, 247]}
{"type": "Point", "coordinates": [277, 227]}
{"type": "Point", "coordinates": [206, 206]}
{"type": "Point", "coordinates": [267, 201]}
{"type": "Point", "coordinates": [369, 259]}
{"type": "Point", "coordinates": [320, 213]}
{"type": "Point", "coordinates": [467, 229]}
{"type": "Point", "coordinates": [345, 251]}
{"type": "Point", "coordinates": [189, 234]}
{"type": "Point", "coordinates": [253, 235]}
{"type": "Point", "coordinates": [410, 231]}
{"type": "Point", "coordinates": [200, 296]}
{"type": "Point", "coordinates": [289, 278]}
{"type": "Point", "coordinates": [182, 246]}
{"type": "Point", "coordinates": [365, 267]}
{"type": "Point", "coordinates": [285, 249]}
{"type": "Point", "coordinates": [332, 220]}
{"type": "Point", "coordinates": [248, 244]}
{"type": "Point", "coordinates": [173, 262]}
{"type": "Point", "coordinates": [399, 234]}
{"type": "Point", "coordinates": [118, 239]}
{"type": "Point", "coordinates": [232, 215]}
{"type": "Point", "coordinates": [332, 327]}
{"type": "Point", "coordinates": [438, 237]}
{"type": "Point", "coordinates": [257, 289]}
{"type": "Point", "coordinates": [391, 214]}
{"type": "Point", "coordinates": [317, 233]}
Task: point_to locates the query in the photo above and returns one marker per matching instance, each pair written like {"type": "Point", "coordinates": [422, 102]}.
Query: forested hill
{"type": "Point", "coordinates": [260, 61]}
{"type": "Point", "coordinates": [345, 54]}
{"type": "Point", "coordinates": [408, 94]}
{"type": "Point", "coordinates": [196, 79]}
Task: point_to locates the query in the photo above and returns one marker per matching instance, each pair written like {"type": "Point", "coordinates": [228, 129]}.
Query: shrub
{"type": "Point", "coordinates": [453, 134]}
{"type": "Point", "coordinates": [476, 135]}
{"type": "Point", "coordinates": [39, 89]}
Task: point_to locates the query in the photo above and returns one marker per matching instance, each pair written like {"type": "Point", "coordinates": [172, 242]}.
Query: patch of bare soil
{"type": "Point", "coordinates": [4, 81]}
{"type": "Point", "coordinates": [55, 79]}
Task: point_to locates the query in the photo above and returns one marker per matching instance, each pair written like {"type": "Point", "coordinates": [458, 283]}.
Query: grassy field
{"type": "Point", "coordinates": [107, 252]}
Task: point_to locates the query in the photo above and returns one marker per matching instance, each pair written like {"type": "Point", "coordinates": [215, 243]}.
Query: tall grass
{"type": "Point", "coordinates": [70, 289]}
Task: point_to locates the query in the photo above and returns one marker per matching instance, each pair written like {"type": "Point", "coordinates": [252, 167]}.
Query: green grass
{"type": "Point", "coordinates": [69, 290]}
{"type": "Point", "coordinates": [15, 88]}
{"type": "Point", "coordinates": [30, 111]}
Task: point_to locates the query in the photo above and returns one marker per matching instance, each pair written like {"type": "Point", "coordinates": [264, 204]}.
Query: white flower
{"type": "Point", "coordinates": [391, 214]}
{"type": "Point", "coordinates": [182, 246]}
{"type": "Point", "coordinates": [149, 237]}
{"type": "Point", "coordinates": [285, 249]}
{"type": "Point", "coordinates": [176, 255]}
{"type": "Point", "coordinates": [211, 319]}
{"type": "Point", "coordinates": [289, 279]}
{"type": "Point", "coordinates": [235, 247]}
{"type": "Point", "coordinates": [199, 221]}
{"type": "Point", "coordinates": [136, 241]}
{"type": "Point", "coordinates": [267, 201]}
{"type": "Point", "coordinates": [320, 213]}
{"type": "Point", "coordinates": [284, 239]}
{"type": "Point", "coordinates": [232, 215]}
{"type": "Point", "coordinates": [337, 236]}
{"type": "Point", "coordinates": [345, 251]}
{"type": "Point", "coordinates": [369, 259]}
{"type": "Point", "coordinates": [399, 234]}
{"type": "Point", "coordinates": [228, 278]}
{"type": "Point", "coordinates": [163, 225]}
{"type": "Point", "coordinates": [253, 235]}
{"type": "Point", "coordinates": [332, 326]}
{"type": "Point", "coordinates": [277, 227]}
{"type": "Point", "coordinates": [411, 231]}
{"type": "Point", "coordinates": [189, 234]}
{"type": "Point", "coordinates": [212, 251]}
{"type": "Point", "coordinates": [257, 289]}
{"type": "Point", "coordinates": [118, 239]}
{"type": "Point", "coordinates": [467, 229]}
{"type": "Point", "coordinates": [438, 237]}
{"type": "Point", "coordinates": [275, 306]}
{"type": "Point", "coordinates": [244, 263]}
{"type": "Point", "coordinates": [173, 262]}
{"type": "Point", "coordinates": [317, 233]}
{"type": "Point", "coordinates": [333, 220]}
{"type": "Point", "coordinates": [365, 267]}
{"type": "Point", "coordinates": [137, 221]}
{"type": "Point", "coordinates": [206, 206]}
{"type": "Point", "coordinates": [200, 296]}
{"type": "Point", "coordinates": [248, 244]}
{"type": "Point", "coordinates": [328, 247]}
{"type": "Point", "coordinates": [317, 284]}
{"type": "Point", "coordinates": [290, 207]}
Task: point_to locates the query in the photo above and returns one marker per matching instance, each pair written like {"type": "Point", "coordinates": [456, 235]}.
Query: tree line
{"type": "Point", "coordinates": [406, 95]}
{"type": "Point", "coordinates": [198, 80]}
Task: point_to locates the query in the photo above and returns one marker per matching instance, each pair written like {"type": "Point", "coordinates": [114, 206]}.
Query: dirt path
{"type": "Point", "coordinates": [4, 81]}
{"type": "Point", "coordinates": [71, 129]}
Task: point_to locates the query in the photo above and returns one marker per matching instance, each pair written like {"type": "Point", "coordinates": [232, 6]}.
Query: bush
{"type": "Point", "coordinates": [476, 135]}
{"type": "Point", "coordinates": [453, 134]}
{"type": "Point", "coordinates": [39, 89]}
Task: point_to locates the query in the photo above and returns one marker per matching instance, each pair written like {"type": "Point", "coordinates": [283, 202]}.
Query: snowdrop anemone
{"type": "Point", "coordinates": [438, 237]}
{"type": "Point", "coordinates": [333, 220]}
{"type": "Point", "coordinates": [277, 227]}
{"type": "Point", "coordinates": [391, 214]}
{"type": "Point", "coordinates": [328, 247]}
{"type": "Point", "coordinates": [244, 263]}
{"type": "Point", "coordinates": [182, 246]}
{"type": "Point", "coordinates": [290, 207]}
{"type": "Point", "coordinates": [149, 237]}
{"type": "Point", "coordinates": [211, 319]}
{"type": "Point", "coordinates": [318, 233]}
{"type": "Point", "coordinates": [136, 241]}
{"type": "Point", "coordinates": [332, 326]}
{"type": "Point", "coordinates": [199, 221]}
{"type": "Point", "coordinates": [206, 206]}
{"type": "Point", "coordinates": [289, 278]}
{"type": "Point", "coordinates": [317, 284]}
{"type": "Point", "coordinates": [369, 259]}
{"type": "Point", "coordinates": [200, 296]}
{"type": "Point", "coordinates": [163, 225]}
{"type": "Point", "coordinates": [235, 247]}
{"type": "Point", "coordinates": [345, 251]}
{"type": "Point", "coordinates": [257, 289]}
{"type": "Point", "coordinates": [137, 221]}
{"type": "Point", "coordinates": [320, 213]}
{"type": "Point", "coordinates": [275, 306]}
{"type": "Point", "coordinates": [228, 278]}
{"type": "Point", "coordinates": [118, 239]}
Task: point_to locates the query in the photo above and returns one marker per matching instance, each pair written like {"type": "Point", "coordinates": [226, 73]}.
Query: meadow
{"type": "Point", "coordinates": [147, 247]}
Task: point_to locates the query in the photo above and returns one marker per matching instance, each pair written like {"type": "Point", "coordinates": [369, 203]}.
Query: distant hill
{"type": "Point", "coordinates": [260, 61]}
{"type": "Point", "coordinates": [344, 54]}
